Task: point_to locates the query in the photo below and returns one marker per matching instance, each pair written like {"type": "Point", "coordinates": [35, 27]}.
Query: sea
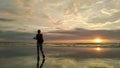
{"type": "Point", "coordinates": [60, 55]}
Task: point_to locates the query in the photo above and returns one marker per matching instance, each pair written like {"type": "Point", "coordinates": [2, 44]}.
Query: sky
{"type": "Point", "coordinates": [60, 20]}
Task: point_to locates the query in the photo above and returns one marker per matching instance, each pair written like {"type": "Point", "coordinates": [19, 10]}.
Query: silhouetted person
{"type": "Point", "coordinates": [39, 38]}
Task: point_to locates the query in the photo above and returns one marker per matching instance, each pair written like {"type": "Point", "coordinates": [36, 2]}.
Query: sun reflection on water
{"type": "Point", "coordinates": [98, 49]}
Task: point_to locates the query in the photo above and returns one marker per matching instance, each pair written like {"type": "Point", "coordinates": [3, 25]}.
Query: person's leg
{"type": "Point", "coordinates": [38, 52]}
{"type": "Point", "coordinates": [41, 48]}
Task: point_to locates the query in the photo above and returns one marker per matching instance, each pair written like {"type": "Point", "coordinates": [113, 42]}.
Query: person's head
{"type": "Point", "coordinates": [39, 31]}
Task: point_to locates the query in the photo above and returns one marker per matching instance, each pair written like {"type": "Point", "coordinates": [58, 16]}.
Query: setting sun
{"type": "Point", "coordinates": [98, 40]}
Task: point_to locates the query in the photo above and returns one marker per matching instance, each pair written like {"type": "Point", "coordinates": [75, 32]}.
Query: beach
{"type": "Point", "coordinates": [60, 57]}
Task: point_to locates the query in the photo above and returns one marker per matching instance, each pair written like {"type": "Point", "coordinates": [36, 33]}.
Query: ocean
{"type": "Point", "coordinates": [60, 55]}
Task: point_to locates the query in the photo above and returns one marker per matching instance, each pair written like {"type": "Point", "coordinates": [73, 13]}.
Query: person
{"type": "Point", "coordinates": [39, 38]}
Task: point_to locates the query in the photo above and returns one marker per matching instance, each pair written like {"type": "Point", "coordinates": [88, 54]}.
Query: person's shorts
{"type": "Point", "coordinates": [39, 44]}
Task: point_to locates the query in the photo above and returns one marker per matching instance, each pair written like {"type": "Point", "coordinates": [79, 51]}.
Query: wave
{"type": "Point", "coordinates": [3, 44]}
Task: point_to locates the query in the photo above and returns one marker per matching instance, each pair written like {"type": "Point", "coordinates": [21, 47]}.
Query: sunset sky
{"type": "Point", "coordinates": [60, 20]}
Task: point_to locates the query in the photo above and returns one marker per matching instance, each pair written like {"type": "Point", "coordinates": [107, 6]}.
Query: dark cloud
{"type": "Point", "coordinates": [75, 34]}
{"type": "Point", "coordinates": [6, 19]}
{"type": "Point", "coordinates": [12, 35]}
{"type": "Point", "coordinates": [83, 34]}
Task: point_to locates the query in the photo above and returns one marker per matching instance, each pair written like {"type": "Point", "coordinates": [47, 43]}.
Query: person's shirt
{"type": "Point", "coordinates": [39, 38]}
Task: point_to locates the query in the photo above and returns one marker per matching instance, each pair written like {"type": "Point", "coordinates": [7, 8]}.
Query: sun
{"type": "Point", "coordinates": [98, 40]}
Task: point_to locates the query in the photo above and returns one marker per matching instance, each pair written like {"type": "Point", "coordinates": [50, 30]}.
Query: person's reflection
{"type": "Point", "coordinates": [40, 65]}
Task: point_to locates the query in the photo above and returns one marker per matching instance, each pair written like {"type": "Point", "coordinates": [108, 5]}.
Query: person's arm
{"type": "Point", "coordinates": [35, 37]}
{"type": "Point", "coordinates": [42, 38]}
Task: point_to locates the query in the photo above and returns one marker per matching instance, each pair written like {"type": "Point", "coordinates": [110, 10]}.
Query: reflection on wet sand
{"type": "Point", "coordinates": [98, 48]}
{"type": "Point", "coordinates": [60, 57]}
{"type": "Point", "coordinates": [40, 65]}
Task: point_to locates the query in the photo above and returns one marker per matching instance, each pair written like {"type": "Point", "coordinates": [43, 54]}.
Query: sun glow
{"type": "Point", "coordinates": [98, 48]}
{"type": "Point", "coordinates": [98, 40]}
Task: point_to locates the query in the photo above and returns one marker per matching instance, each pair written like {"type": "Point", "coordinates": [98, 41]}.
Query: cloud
{"type": "Point", "coordinates": [98, 13]}
{"type": "Point", "coordinates": [17, 7]}
{"type": "Point", "coordinates": [109, 12]}
{"type": "Point", "coordinates": [75, 34]}
{"type": "Point", "coordinates": [83, 34]}
{"type": "Point", "coordinates": [105, 19]}
{"type": "Point", "coordinates": [86, 14]}
{"type": "Point", "coordinates": [72, 13]}
{"type": "Point", "coordinates": [12, 35]}
{"type": "Point", "coordinates": [5, 19]}
{"type": "Point", "coordinates": [66, 15]}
